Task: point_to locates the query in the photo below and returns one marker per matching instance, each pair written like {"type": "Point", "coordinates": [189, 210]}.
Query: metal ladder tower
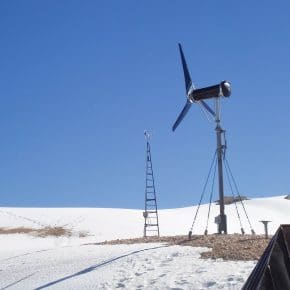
{"type": "Point", "coordinates": [151, 225]}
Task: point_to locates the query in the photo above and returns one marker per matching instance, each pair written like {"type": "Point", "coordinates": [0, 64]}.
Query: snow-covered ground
{"type": "Point", "coordinates": [28, 262]}
{"type": "Point", "coordinates": [139, 266]}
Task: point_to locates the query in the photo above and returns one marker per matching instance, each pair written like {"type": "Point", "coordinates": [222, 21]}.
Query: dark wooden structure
{"type": "Point", "coordinates": [273, 268]}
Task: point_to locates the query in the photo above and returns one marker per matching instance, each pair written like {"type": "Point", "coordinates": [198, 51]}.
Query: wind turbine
{"type": "Point", "coordinates": [199, 96]}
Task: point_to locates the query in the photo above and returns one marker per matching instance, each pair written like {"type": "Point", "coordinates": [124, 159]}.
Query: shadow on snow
{"type": "Point", "coordinates": [92, 268]}
{"type": "Point", "coordinates": [14, 283]}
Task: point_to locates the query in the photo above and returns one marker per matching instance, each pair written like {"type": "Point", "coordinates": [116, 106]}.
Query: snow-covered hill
{"type": "Point", "coordinates": [28, 262]}
{"type": "Point", "coordinates": [106, 223]}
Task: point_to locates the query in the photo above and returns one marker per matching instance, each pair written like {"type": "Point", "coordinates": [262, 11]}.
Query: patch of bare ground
{"type": "Point", "coordinates": [228, 247]}
{"type": "Point", "coordinates": [19, 230]}
{"type": "Point", "coordinates": [42, 232]}
{"type": "Point", "coordinates": [53, 231]}
{"type": "Point", "coordinates": [83, 234]}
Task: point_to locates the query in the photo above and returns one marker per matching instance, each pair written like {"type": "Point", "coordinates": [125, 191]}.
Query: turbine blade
{"type": "Point", "coordinates": [187, 78]}
{"type": "Point", "coordinates": [181, 115]}
{"type": "Point", "coordinates": [207, 107]}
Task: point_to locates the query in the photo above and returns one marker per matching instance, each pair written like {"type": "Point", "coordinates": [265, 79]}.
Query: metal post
{"type": "Point", "coordinates": [265, 223]}
{"type": "Point", "coordinates": [222, 226]}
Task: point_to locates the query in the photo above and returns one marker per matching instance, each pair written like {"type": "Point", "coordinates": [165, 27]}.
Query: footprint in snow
{"type": "Point", "coordinates": [200, 270]}
{"type": "Point", "coordinates": [163, 264]}
{"type": "Point", "coordinates": [176, 254]}
{"type": "Point", "coordinates": [126, 279]}
{"type": "Point", "coordinates": [181, 282]}
{"type": "Point", "coordinates": [152, 282]}
{"type": "Point", "coordinates": [209, 283]}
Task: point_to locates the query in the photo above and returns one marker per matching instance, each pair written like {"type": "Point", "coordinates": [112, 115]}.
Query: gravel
{"type": "Point", "coordinates": [228, 247]}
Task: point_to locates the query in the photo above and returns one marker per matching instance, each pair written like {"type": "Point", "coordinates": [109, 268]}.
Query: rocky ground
{"type": "Point", "coordinates": [227, 247]}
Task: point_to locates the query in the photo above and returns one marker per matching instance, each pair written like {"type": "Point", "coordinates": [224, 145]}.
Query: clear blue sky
{"type": "Point", "coordinates": [81, 80]}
